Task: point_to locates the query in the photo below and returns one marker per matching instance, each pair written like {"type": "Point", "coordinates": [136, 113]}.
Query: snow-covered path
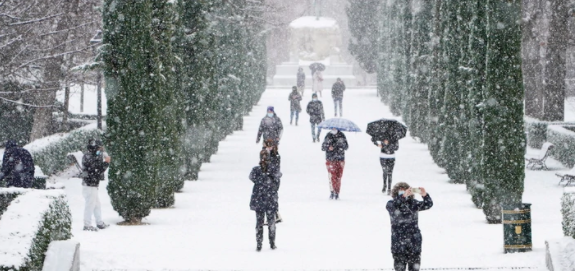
{"type": "Point", "coordinates": [211, 225]}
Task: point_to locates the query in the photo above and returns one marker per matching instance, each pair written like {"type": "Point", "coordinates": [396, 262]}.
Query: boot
{"type": "Point", "coordinates": [336, 196]}
{"type": "Point", "coordinates": [273, 245]}
{"type": "Point", "coordinates": [332, 195]}
{"type": "Point", "coordinates": [259, 247]}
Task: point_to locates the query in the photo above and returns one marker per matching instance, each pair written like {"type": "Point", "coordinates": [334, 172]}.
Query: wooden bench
{"type": "Point", "coordinates": [539, 161]}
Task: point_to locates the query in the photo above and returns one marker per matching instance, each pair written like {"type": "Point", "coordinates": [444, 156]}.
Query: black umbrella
{"type": "Point", "coordinates": [316, 66]}
{"type": "Point", "coordinates": [386, 129]}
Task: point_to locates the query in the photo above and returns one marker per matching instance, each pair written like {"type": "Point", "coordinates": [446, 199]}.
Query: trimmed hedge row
{"type": "Point", "coordinates": [561, 134]}
{"type": "Point", "coordinates": [7, 196]}
{"type": "Point", "coordinates": [52, 158]}
{"type": "Point", "coordinates": [568, 211]}
{"type": "Point", "coordinates": [55, 224]}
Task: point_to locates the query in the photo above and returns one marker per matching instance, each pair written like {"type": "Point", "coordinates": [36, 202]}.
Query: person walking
{"type": "Point", "coordinates": [317, 82]}
{"type": "Point", "coordinates": [316, 115]}
{"type": "Point", "coordinates": [405, 234]}
{"type": "Point", "coordinates": [387, 160]}
{"type": "Point", "coordinates": [334, 145]}
{"type": "Point", "coordinates": [337, 94]}
{"type": "Point", "coordinates": [270, 127]}
{"type": "Point", "coordinates": [301, 80]}
{"type": "Point", "coordinates": [94, 164]}
{"type": "Point", "coordinates": [264, 199]}
{"type": "Point", "coordinates": [17, 166]}
{"type": "Point", "coordinates": [295, 106]}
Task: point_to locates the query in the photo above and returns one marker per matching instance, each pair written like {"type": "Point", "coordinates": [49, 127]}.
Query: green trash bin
{"type": "Point", "coordinates": [517, 227]}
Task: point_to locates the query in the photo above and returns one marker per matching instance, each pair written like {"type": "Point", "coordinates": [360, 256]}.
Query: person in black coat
{"type": "Point", "coordinates": [264, 199]}
{"type": "Point", "coordinates": [337, 95]}
{"type": "Point", "coordinates": [316, 116]}
{"type": "Point", "coordinates": [295, 107]}
{"type": "Point", "coordinates": [270, 127]}
{"type": "Point", "coordinates": [17, 166]}
{"type": "Point", "coordinates": [387, 160]}
{"type": "Point", "coordinates": [94, 164]}
{"type": "Point", "coordinates": [405, 234]}
{"type": "Point", "coordinates": [334, 145]}
{"type": "Point", "coordinates": [301, 80]}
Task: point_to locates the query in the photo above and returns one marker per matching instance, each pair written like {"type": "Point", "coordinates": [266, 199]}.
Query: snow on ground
{"type": "Point", "coordinates": [211, 225]}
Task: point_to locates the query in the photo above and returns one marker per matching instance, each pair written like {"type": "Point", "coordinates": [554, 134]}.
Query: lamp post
{"type": "Point", "coordinates": [97, 39]}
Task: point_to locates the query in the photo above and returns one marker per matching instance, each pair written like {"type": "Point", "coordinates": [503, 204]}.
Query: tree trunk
{"type": "Point", "coordinates": [554, 105]}
{"type": "Point", "coordinates": [52, 73]}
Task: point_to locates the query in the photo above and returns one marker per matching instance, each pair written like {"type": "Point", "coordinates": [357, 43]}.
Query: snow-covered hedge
{"type": "Point", "coordinates": [564, 141]}
{"type": "Point", "coordinates": [568, 211]}
{"type": "Point", "coordinates": [33, 220]}
{"type": "Point", "coordinates": [7, 195]}
{"type": "Point", "coordinates": [560, 254]}
{"type": "Point", "coordinates": [536, 131]}
{"type": "Point", "coordinates": [50, 152]}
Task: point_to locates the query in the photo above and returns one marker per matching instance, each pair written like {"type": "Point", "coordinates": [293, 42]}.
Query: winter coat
{"type": "Point", "coordinates": [301, 79]}
{"type": "Point", "coordinates": [405, 234]}
{"type": "Point", "coordinates": [274, 161]}
{"type": "Point", "coordinates": [315, 111]}
{"type": "Point", "coordinates": [265, 192]}
{"type": "Point", "coordinates": [17, 166]}
{"type": "Point", "coordinates": [93, 168]}
{"type": "Point", "coordinates": [337, 90]}
{"type": "Point", "coordinates": [387, 151]}
{"type": "Point", "coordinates": [295, 99]}
{"type": "Point", "coordinates": [339, 144]}
{"type": "Point", "coordinates": [270, 128]}
{"type": "Point", "coordinates": [317, 81]}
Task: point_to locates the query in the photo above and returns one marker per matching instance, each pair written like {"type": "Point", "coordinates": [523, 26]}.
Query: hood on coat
{"type": "Point", "coordinates": [11, 144]}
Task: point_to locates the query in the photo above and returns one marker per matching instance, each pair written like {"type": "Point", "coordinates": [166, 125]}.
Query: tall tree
{"type": "Point", "coordinates": [364, 32]}
{"type": "Point", "coordinates": [554, 84]}
{"type": "Point", "coordinates": [532, 14]}
{"type": "Point", "coordinates": [503, 130]}
{"type": "Point", "coordinates": [131, 74]}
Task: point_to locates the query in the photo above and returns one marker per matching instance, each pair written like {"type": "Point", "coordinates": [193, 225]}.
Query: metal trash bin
{"type": "Point", "coordinates": [517, 227]}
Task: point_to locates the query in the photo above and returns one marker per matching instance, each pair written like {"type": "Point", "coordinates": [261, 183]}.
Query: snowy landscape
{"type": "Point", "coordinates": [176, 165]}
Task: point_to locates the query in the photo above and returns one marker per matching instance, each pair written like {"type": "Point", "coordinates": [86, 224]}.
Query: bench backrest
{"type": "Point", "coordinates": [547, 146]}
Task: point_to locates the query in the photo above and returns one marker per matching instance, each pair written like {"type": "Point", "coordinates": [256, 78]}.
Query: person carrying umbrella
{"type": "Point", "coordinates": [385, 134]}
{"type": "Point", "coordinates": [316, 115]}
{"type": "Point", "coordinates": [335, 144]}
{"type": "Point", "coordinates": [317, 82]}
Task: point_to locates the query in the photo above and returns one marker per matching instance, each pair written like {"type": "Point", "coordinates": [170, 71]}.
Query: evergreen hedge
{"type": "Point", "coordinates": [52, 157]}
{"type": "Point", "coordinates": [55, 224]}
{"type": "Point", "coordinates": [568, 211]}
{"type": "Point", "coordinates": [564, 141]}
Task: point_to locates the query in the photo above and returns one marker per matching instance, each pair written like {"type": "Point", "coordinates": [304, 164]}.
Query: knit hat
{"type": "Point", "coordinates": [271, 108]}
{"type": "Point", "coordinates": [314, 95]}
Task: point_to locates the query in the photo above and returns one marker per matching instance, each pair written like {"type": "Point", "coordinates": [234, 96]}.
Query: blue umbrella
{"type": "Point", "coordinates": [340, 124]}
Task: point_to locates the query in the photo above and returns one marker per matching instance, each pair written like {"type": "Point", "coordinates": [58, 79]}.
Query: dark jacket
{"type": "Point", "coordinates": [315, 111]}
{"type": "Point", "coordinates": [390, 148]}
{"type": "Point", "coordinates": [17, 166]}
{"type": "Point", "coordinates": [93, 168]}
{"type": "Point", "coordinates": [339, 144]}
{"type": "Point", "coordinates": [295, 99]}
{"type": "Point", "coordinates": [405, 234]}
{"type": "Point", "coordinates": [301, 79]}
{"type": "Point", "coordinates": [337, 90]}
{"type": "Point", "coordinates": [265, 191]}
{"type": "Point", "coordinates": [270, 128]}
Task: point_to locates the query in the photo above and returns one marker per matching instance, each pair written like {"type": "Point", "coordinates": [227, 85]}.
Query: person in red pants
{"type": "Point", "coordinates": [334, 145]}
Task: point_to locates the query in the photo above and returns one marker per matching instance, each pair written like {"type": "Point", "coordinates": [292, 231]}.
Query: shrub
{"type": "Point", "coordinates": [51, 157]}
{"type": "Point", "coordinates": [536, 132]}
{"type": "Point", "coordinates": [568, 211]}
{"type": "Point", "coordinates": [27, 232]}
{"type": "Point", "coordinates": [564, 141]}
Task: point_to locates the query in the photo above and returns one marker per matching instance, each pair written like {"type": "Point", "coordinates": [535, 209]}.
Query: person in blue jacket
{"type": "Point", "coordinates": [405, 234]}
